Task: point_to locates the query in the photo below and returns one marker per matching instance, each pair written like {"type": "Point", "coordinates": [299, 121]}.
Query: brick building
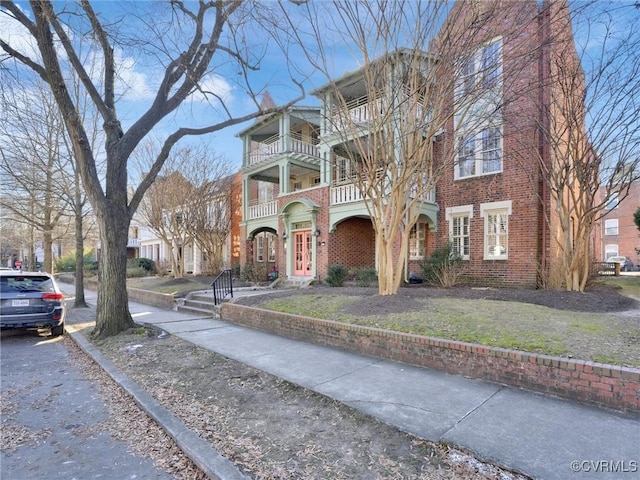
{"type": "Point", "coordinates": [616, 233]}
{"type": "Point", "coordinates": [302, 210]}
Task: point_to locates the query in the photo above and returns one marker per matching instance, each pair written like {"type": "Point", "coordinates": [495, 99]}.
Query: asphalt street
{"type": "Point", "coordinates": [55, 418]}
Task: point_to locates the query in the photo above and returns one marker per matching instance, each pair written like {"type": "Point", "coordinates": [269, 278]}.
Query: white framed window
{"type": "Point", "coordinates": [612, 202]}
{"type": "Point", "coordinates": [610, 250]}
{"type": "Point", "coordinates": [459, 219]}
{"type": "Point", "coordinates": [611, 227]}
{"type": "Point", "coordinates": [271, 245]}
{"type": "Point", "coordinates": [260, 248]}
{"type": "Point", "coordinates": [265, 191]}
{"type": "Point", "coordinates": [496, 229]}
{"type": "Point", "coordinates": [481, 69]}
{"type": "Point", "coordinates": [480, 153]}
{"type": "Point", "coordinates": [417, 239]}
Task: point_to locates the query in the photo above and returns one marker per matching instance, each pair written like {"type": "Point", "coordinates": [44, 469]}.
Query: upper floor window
{"type": "Point", "coordinates": [612, 202]}
{"type": "Point", "coordinates": [611, 227]}
{"type": "Point", "coordinates": [481, 70]}
{"type": "Point", "coordinates": [480, 153]}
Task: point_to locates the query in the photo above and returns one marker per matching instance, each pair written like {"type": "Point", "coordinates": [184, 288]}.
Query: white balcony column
{"type": "Point", "coordinates": [285, 130]}
{"type": "Point", "coordinates": [245, 197]}
{"type": "Point", "coordinates": [246, 151]}
{"type": "Point", "coordinates": [284, 178]}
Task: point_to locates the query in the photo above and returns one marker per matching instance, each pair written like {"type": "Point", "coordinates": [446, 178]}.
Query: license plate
{"type": "Point", "coordinates": [20, 303]}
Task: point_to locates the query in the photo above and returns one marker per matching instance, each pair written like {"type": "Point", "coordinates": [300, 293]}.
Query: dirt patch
{"type": "Point", "coordinates": [272, 429]}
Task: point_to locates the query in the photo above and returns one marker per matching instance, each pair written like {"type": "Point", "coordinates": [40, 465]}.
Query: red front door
{"type": "Point", "coordinates": [302, 254]}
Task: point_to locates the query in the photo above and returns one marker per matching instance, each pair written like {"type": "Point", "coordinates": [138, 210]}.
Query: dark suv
{"type": "Point", "coordinates": [30, 300]}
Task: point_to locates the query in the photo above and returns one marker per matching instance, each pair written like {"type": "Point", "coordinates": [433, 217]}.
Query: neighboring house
{"type": "Point", "coordinates": [302, 211]}
{"type": "Point", "coordinates": [192, 254]}
{"type": "Point", "coordinates": [616, 233]}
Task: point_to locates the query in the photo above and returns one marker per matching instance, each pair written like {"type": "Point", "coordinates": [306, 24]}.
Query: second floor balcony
{"type": "Point", "coordinates": [283, 144]}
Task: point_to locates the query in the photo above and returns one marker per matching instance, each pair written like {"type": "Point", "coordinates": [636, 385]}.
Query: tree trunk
{"type": "Point", "coordinates": [80, 301]}
{"type": "Point", "coordinates": [113, 314]}
{"type": "Point", "coordinates": [47, 245]}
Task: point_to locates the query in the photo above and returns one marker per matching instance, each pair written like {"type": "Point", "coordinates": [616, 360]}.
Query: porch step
{"type": "Point", "coordinates": [200, 304]}
{"type": "Point", "coordinates": [291, 283]}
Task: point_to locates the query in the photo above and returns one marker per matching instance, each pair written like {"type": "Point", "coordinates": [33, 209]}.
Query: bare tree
{"type": "Point", "coordinates": [591, 123]}
{"type": "Point", "coordinates": [392, 113]}
{"type": "Point", "coordinates": [210, 217]}
{"type": "Point", "coordinates": [186, 46]}
{"type": "Point", "coordinates": [164, 211]}
{"type": "Point", "coordinates": [33, 164]}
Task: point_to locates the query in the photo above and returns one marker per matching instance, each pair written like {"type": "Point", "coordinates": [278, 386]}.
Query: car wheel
{"type": "Point", "coordinates": [57, 331]}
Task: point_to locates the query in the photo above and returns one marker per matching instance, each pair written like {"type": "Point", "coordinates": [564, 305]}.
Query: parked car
{"type": "Point", "coordinates": [626, 265]}
{"type": "Point", "coordinates": [31, 300]}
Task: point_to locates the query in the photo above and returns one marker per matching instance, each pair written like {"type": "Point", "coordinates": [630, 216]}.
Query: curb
{"type": "Point", "coordinates": [214, 465]}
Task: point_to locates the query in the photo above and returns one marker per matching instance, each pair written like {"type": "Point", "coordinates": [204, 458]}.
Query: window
{"type": "Point", "coordinates": [491, 150]}
{"type": "Point", "coordinates": [459, 219]}
{"type": "Point", "coordinates": [611, 227]}
{"type": "Point", "coordinates": [417, 238]}
{"type": "Point", "coordinates": [610, 251]}
{"type": "Point", "coordinates": [612, 202]}
{"type": "Point", "coordinates": [496, 229]}
{"type": "Point", "coordinates": [272, 248]}
{"type": "Point", "coordinates": [460, 236]}
{"type": "Point", "coordinates": [491, 65]}
{"type": "Point", "coordinates": [344, 170]}
{"type": "Point", "coordinates": [480, 153]}
{"type": "Point", "coordinates": [265, 191]}
{"type": "Point", "coordinates": [482, 68]}
{"type": "Point", "coordinates": [260, 248]}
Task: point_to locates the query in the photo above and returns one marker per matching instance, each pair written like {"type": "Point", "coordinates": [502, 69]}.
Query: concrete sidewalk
{"type": "Point", "coordinates": [539, 436]}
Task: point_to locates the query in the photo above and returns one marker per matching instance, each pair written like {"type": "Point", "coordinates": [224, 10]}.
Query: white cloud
{"type": "Point", "coordinates": [18, 37]}
{"type": "Point", "coordinates": [213, 88]}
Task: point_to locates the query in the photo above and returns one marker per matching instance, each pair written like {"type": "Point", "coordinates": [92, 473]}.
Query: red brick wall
{"type": "Point", "coordinates": [517, 24]}
{"type": "Point", "coordinates": [601, 385]}
{"type": "Point", "coordinates": [352, 244]}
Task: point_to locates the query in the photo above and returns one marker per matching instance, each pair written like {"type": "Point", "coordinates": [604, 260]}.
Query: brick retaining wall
{"type": "Point", "coordinates": [155, 299]}
{"type": "Point", "coordinates": [591, 383]}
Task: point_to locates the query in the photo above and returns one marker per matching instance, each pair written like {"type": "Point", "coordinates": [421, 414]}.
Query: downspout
{"type": "Point", "coordinates": [543, 146]}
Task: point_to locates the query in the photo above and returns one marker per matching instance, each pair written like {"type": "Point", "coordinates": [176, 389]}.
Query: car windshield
{"type": "Point", "coordinates": [26, 284]}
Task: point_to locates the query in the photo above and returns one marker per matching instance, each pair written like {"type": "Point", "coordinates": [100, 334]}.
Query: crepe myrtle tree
{"type": "Point", "coordinates": [187, 46]}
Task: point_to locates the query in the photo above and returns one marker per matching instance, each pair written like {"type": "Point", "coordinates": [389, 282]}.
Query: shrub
{"type": "Point", "coordinates": [67, 263]}
{"type": "Point", "coordinates": [254, 273]}
{"type": "Point", "coordinates": [443, 268]}
{"type": "Point", "coordinates": [336, 275]}
{"type": "Point", "coordinates": [146, 264]}
{"type": "Point", "coordinates": [367, 276]}
{"type": "Point", "coordinates": [136, 272]}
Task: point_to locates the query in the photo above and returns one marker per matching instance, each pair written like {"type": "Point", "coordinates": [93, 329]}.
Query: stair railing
{"type": "Point", "coordinates": [222, 286]}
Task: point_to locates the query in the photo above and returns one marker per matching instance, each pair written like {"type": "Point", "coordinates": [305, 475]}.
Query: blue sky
{"type": "Point", "coordinates": [138, 74]}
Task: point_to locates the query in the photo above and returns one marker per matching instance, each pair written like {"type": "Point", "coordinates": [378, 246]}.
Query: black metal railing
{"type": "Point", "coordinates": [222, 286]}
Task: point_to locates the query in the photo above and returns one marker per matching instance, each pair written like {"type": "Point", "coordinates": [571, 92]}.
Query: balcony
{"type": "Point", "coordinates": [361, 110]}
{"type": "Point", "coordinates": [278, 144]}
{"type": "Point", "coordinates": [349, 193]}
{"type": "Point", "coordinates": [263, 209]}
